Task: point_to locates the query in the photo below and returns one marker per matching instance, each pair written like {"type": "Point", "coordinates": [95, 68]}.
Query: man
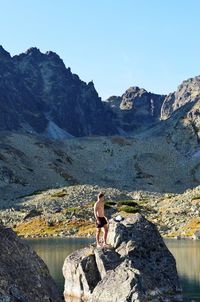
{"type": "Point", "coordinates": [101, 220]}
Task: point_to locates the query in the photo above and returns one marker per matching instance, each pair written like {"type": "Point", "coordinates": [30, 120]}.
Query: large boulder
{"type": "Point", "coordinates": [138, 267]}
{"type": "Point", "coordinates": [24, 277]}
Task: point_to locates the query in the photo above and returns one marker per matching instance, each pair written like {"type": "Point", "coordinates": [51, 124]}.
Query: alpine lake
{"type": "Point", "coordinates": [186, 252]}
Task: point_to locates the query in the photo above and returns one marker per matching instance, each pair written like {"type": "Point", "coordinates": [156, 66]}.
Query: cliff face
{"type": "Point", "coordinates": [187, 92]}
{"type": "Point", "coordinates": [180, 117]}
{"type": "Point", "coordinates": [136, 109]}
{"type": "Point", "coordinates": [38, 94]}
{"type": "Point", "coordinates": [24, 276]}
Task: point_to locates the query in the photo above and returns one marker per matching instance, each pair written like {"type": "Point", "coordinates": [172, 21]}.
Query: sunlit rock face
{"type": "Point", "coordinates": [136, 109]}
{"type": "Point", "coordinates": [180, 116]}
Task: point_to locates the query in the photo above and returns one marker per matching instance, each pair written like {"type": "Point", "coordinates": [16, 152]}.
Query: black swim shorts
{"type": "Point", "coordinates": [102, 221]}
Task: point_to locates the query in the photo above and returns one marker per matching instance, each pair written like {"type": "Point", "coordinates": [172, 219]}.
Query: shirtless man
{"type": "Point", "coordinates": [101, 220]}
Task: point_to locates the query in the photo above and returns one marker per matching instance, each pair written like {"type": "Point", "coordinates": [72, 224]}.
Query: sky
{"type": "Point", "coordinates": [153, 44]}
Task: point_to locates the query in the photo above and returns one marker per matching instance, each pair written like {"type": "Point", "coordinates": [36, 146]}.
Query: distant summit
{"type": "Point", "coordinates": [136, 109]}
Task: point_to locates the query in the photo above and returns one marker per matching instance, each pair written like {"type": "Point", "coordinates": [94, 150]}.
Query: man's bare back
{"type": "Point", "coordinates": [101, 220]}
{"type": "Point", "coordinates": [99, 209]}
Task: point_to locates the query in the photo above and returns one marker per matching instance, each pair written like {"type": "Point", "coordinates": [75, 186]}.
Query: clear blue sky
{"type": "Point", "coordinates": [154, 44]}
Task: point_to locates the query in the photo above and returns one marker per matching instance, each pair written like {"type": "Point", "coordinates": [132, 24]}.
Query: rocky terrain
{"type": "Point", "coordinates": [24, 276]}
{"type": "Point", "coordinates": [158, 178]}
{"type": "Point", "coordinates": [29, 163]}
{"type": "Point", "coordinates": [68, 211]}
{"type": "Point", "coordinates": [137, 267]}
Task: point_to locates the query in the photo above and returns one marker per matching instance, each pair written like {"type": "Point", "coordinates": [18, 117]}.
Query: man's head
{"type": "Point", "coordinates": [101, 196]}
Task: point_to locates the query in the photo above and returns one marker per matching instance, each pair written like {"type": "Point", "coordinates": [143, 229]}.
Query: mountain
{"type": "Point", "coordinates": [136, 109]}
{"type": "Point", "coordinates": [180, 117]}
{"type": "Point", "coordinates": [38, 94]}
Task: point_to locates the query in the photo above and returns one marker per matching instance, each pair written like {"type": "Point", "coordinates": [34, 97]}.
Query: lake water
{"type": "Point", "coordinates": [186, 253]}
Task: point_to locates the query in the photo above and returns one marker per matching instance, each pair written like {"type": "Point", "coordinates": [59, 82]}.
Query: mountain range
{"type": "Point", "coordinates": [39, 95]}
{"type": "Point", "coordinates": [139, 140]}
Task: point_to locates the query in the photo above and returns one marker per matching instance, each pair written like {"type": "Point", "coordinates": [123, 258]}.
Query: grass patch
{"type": "Point", "coordinates": [128, 206]}
{"type": "Point", "coordinates": [110, 203]}
{"type": "Point", "coordinates": [70, 210]}
{"type": "Point", "coordinates": [39, 227]}
{"type": "Point", "coordinates": [128, 209]}
{"type": "Point", "coordinates": [59, 194]}
{"type": "Point", "coordinates": [87, 228]}
{"type": "Point", "coordinates": [130, 203]}
{"type": "Point", "coordinates": [192, 226]}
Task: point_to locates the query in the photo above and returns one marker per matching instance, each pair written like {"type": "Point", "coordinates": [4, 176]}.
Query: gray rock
{"type": "Point", "coordinates": [81, 274]}
{"type": "Point", "coordinates": [138, 267]}
{"type": "Point", "coordinates": [24, 276]}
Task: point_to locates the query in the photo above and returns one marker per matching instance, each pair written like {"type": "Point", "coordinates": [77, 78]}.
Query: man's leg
{"type": "Point", "coordinates": [98, 230]}
{"type": "Point", "coordinates": [105, 234]}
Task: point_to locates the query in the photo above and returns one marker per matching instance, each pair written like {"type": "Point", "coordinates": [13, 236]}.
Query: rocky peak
{"type": "Point", "coordinates": [187, 92]}
{"type": "Point", "coordinates": [53, 56]}
{"type": "Point", "coordinates": [33, 51]}
{"type": "Point", "coordinates": [136, 109]}
{"type": "Point", "coordinates": [4, 55]}
{"type": "Point", "coordinates": [135, 97]}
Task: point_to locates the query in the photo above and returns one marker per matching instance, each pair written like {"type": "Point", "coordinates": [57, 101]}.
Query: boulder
{"type": "Point", "coordinates": [24, 276]}
{"type": "Point", "coordinates": [138, 267]}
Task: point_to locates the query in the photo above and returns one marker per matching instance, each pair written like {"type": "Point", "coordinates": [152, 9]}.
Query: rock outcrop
{"type": "Point", "coordinates": [138, 267]}
{"type": "Point", "coordinates": [136, 109]}
{"type": "Point", "coordinates": [187, 92]}
{"type": "Point", "coordinates": [180, 117]}
{"type": "Point", "coordinates": [24, 276]}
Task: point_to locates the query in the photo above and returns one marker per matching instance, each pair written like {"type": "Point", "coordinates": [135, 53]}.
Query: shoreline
{"type": "Point", "coordinates": [93, 236]}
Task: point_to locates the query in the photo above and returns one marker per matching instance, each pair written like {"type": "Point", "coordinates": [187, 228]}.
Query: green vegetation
{"type": "Point", "coordinates": [128, 209]}
{"type": "Point", "coordinates": [108, 204]}
{"type": "Point", "coordinates": [39, 227]}
{"type": "Point", "coordinates": [59, 194]}
{"type": "Point", "coordinates": [130, 203]}
{"type": "Point", "coordinates": [71, 210]}
{"type": "Point", "coordinates": [128, 206]}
